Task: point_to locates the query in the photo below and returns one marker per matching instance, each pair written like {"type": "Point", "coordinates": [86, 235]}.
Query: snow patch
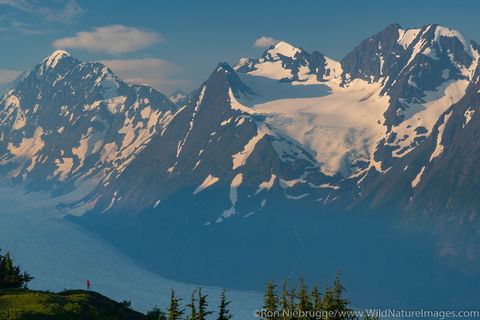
{"type": "Point", "coordinates": [235, 105]}
{"type": "Point", "coordinates": [236, 182]}
{"type": "Point", "coordinates": [54, 58]}
{"type": "Point", "coordinates": [210, 180]}
{"type": "Point", "coordinates": [28, 147]}
{"type": "Point", "coordinates": [296, 197]}
{"type": "Point", "coordinates": [283, 48]}
{"type": "Point", "coordinates": [266, 185]}
{"type": "Point", "coordinates": [439, 148]}
{"type": "Point", "coordinates": [64, 166]}
{"type": "Point", "coordinates": [418, 177]}
{"type": "Point", "coordinates": [406, 37]}
{"type": "Point", "coordinates": [468, 116]}
{"type": "Point", "coordinates": [240, 158]}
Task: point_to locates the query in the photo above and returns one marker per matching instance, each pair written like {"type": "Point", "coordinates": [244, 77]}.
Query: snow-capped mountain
{"type": "Point", "coordinates": [287, 63]}
{"type": "Point", "coordinates": [422, 71]}
{"type": "Point", "coordinates": [258, 151]}
{"type": "Point", "coordinates": [439, 178]}
{"type": "Point", "coordinates": [216, 145]}
{"type": "Point", "coordinates": [70, 125]}
{"type": "Point", "coordinates": [385, 96]}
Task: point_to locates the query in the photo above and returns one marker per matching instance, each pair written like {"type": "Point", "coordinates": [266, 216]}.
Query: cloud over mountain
{"type": "Point", "coordinates": [114, 39]}
{"type": "Point", "coordinates": [7, 76]}
{"type": "Point", "coordinates": [265, 42]}
{"type": "Point", "coordinates": [157, 73]}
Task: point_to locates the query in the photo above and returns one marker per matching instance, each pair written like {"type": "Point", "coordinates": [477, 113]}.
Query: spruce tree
{"type": "Point", "coordinates": [202, 306]}
{"type": "Point", "coordinates": [291, 295]}
{"type": "Point", "coordinates": [191, 305]}
{"type": "Point", "coordinates": [156, 314]}
{"type": "Point", "coordinates": [304, 302]}
{"type": "Point", "coordinates": [317, 299]}
{"type": "Point", "coordinates": [284, 301]}
{"type": "Point", "coordinates": [328, 303]}
{"type": "Point", "coordinates": [286, 308]}
{"type": "Point", "coordinates": [334, 300]}
{"type": "Point", "coordinates": [174, 311]}
{"type": "Point", "coordinates": [224, 313]}
{"type": "Point", "coordinates": [338, 290]}
{"type": "Point", "coordinates": [10, 276]}
{"type": "Point", "coordinates": [271, 302]}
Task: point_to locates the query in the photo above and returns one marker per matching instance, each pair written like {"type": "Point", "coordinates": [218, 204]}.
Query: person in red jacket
{"type": "Point", "coordinates": [88, 285]}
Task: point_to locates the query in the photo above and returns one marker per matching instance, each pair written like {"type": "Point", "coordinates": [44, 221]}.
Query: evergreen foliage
{"type": "Point", "coordinates": [156, 314]}
{"type": "Point", "coordinates": [192, 307]}
{"type": "Point", "coordinates": [174, 311]}
{"type": "Point", "coordinates": [10, 276]}
{"type": "Point", "coordinates": [271, 302]}
{"type": "Point", "coordinates": [304, 302]}
{"type": "Point", "coordinates": [224, 313]}
{"type": "Point", "coordinates": [202, 306]}
{"type": "Point", "coordinates": [298, 303]}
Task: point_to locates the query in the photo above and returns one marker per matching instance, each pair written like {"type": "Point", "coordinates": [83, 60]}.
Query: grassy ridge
{"type": "Point", "coordinates": [22, 304]}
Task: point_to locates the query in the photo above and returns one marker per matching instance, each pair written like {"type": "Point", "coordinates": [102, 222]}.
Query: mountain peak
{"type": "Point", "coordinates": [225, 67]}
{"type": "Point", "coordinates": [283, 48]}
{"type": "Point", "coordinates": [52, 60]}
{"type": "Point", "coordinates": [224, 74]}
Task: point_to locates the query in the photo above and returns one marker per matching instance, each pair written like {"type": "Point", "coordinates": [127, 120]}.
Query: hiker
{"type": "Point", "coordinates": [88, 285]}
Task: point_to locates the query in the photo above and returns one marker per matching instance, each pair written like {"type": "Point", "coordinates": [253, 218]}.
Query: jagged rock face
{"type": "Point", "coordinates": [436, 184]}
{"type": "Point", "coordinates": [439, 175]}
{"type": "Point", "coordinates": [265, 155]}
{"type": "Point", "coordinates": [376, 57]}
{"type": "Point", "coordinates": [422, 71]}
{"type": "Point", "coordinates": [382, 129]}
{"type": "Point", "coordinates": [68, 123]}
{"type": "Point", "coordinates": [215, 146]}
{"type": "Point", "coordinates": [411, 62]}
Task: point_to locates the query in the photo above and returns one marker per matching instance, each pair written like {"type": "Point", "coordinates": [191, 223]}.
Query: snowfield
{"type": "Point", "coordinates": [61, 255]}
{"type": "Point", "coordinates": [331, 123]}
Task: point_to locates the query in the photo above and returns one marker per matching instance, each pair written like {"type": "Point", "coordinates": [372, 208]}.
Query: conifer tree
{"type": "Point", "coordinates": [156, 314]}
{"type": "Point", "coordinates": [191, 305]}
{"type": "Point", "coordinates": [317, 299]}
{"type": "Point", "coordinates": [340, 302]}
{"type": "Point", "coordinates": [10, 275]}
{"type": "Point", "coordinates": [271, 302]}
{"type": "Point", "coordinates": [284, 306]}
{"type": "Point", "coordinates": [328, 303]}
{"type": "Point", "coordinates": [291, 295]}
{"type": "Point", "coordinates": [304, 301]}
{"type": "Point", "coordinates": [287, 302]}
{"type": "Point", "coordinates": [224, 313]}
{"type": "Point", "coordinates": [334, 300]}
{"type": "Point", "coordinates": [174, 311]}
{"type": "Point", "coordinates": [202, 306]}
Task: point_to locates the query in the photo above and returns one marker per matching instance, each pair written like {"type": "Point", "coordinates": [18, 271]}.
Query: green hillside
{"type": "Point", "coordinates": [22, 304]}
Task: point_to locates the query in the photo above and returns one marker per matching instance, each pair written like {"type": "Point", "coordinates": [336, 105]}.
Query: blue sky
{"type": "Point", "coordinates": [177, 43]}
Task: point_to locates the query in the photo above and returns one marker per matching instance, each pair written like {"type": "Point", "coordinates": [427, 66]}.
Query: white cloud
{"type": "Point", "coordinates": [59, 10]}
{"type": "Point", "coordinates": [113, 39]}
{"type": "Point", "coordinates": [7, 76]}
{"type": "Point", "coordinates": [157, 73]}
{"type": "Point", "coordinates": [265, 42]}
{"type": "Point", "coordinates": [6, 79]}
